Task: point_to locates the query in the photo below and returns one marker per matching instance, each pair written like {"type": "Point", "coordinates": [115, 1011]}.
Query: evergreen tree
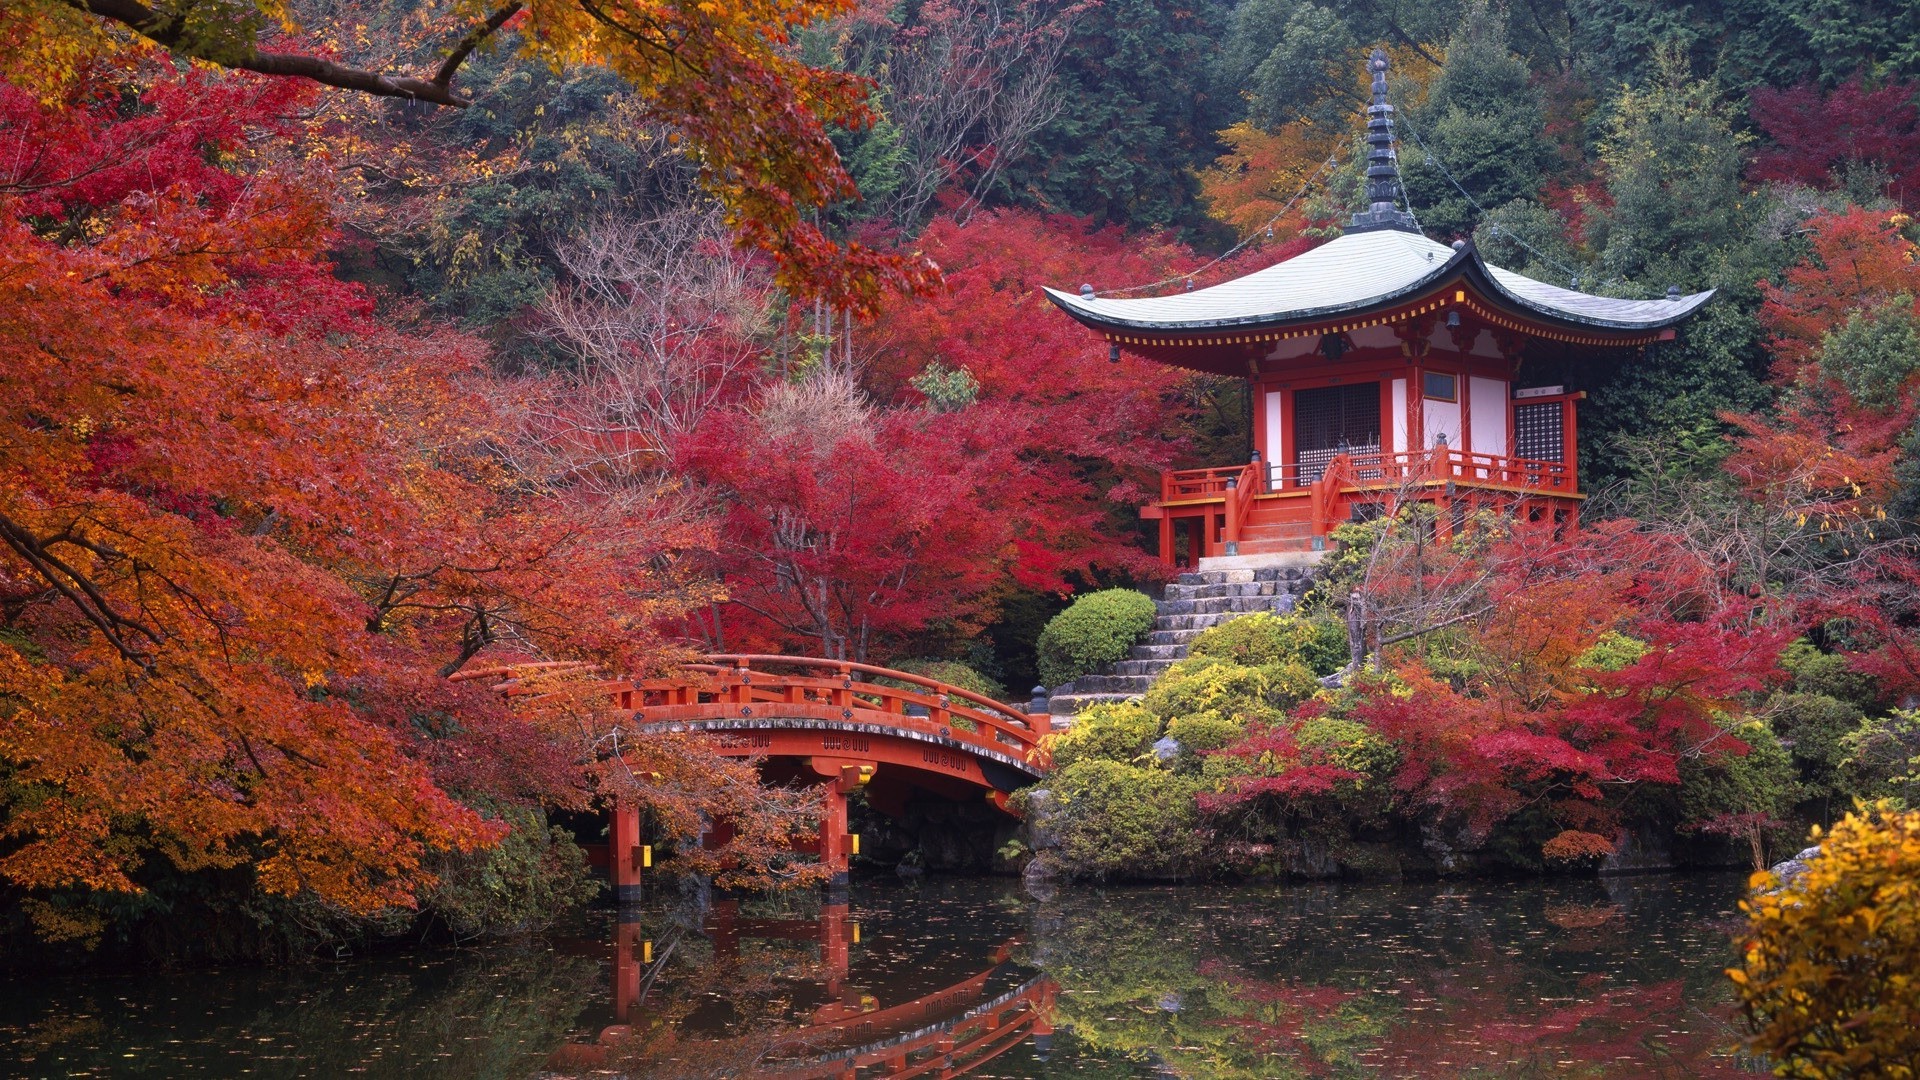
{"type": "Point", "coordinates": [1679, 218]}
{"type": "Point", "coordinates": [1294, 59]}
{"type": "Point", "coordinates": [1481, 124]}
{"type": "Point", "coordinates": [1138, 117]}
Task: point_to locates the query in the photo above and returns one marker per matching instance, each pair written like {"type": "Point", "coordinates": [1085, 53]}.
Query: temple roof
{"type": "Point", "coordinates": [1382, 266]}
{"type": "Point", "coordinates": [1364, 271]}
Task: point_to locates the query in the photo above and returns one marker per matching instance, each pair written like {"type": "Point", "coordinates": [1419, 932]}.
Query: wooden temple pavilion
{"type": "Point", "coordinates": [1383, 367]}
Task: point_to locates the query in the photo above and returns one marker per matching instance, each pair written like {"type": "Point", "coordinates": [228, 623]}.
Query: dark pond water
{"type": "Point", "coordinates": [976, 978]}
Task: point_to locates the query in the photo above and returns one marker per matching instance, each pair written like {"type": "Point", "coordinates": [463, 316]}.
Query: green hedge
{"type": "Point", "coordinates": [1098, 629]}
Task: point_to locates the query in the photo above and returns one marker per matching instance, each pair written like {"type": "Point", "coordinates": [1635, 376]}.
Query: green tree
{"type": "Point", "coordinates": [1137, 117]}
{"type": "Point", "coordinates": [1482, 124]}
{"type": "Point", "coordinates": [1680, 217]}
{"type": "Point", "coordinates": [1875, 352]}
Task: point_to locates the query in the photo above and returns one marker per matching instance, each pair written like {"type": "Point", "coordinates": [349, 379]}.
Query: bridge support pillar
{"type": "Point", "coordinates": [625, 854]}
{"type": "Point", "coordinates": [836, 848]}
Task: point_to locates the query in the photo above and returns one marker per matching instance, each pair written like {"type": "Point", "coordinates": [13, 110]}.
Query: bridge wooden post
{"type": "Point", "coordinates": [625, 855]}
{"type": "Point", "coordinates": [835, 849]}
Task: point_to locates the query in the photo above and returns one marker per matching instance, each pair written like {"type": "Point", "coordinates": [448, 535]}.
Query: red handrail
{"type": "Point", "coordinates": [735, 679]}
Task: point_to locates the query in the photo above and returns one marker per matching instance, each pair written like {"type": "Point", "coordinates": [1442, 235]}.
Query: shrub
{"type": "Point", "coordinates": [1318, 644]}
{"type": "Point", "coordinates": [1831, 674]}
{"type": "Point", "coordinates": [1213, 686]}
{"type": "Point", "coordinates": [1612, 651]}
{"type": "Point", "coordinates": [1117, 732]}
{"type": "Point", "coordinates": [1831, 977]}
{"type": "Point", "coordinates": [953, 673]}
{"type": "Point", "coordinates": [1883, 757]}
{"type": "Point", "coordinates": [532, 879]}
{"type": "Point", "coordinates": [1817, 726]}
{"type": "Point", "coordinates": [1205, 684]}
{"type": "Point", "coordinates": [1115, 820]}
{"type": "Point", "coordinates": [1205, 731]}
{"type": "Point", "coordinates": [1350, 744]}
{"type": "Point", "coordinates": [1096, 630]}
{"type": "Point", "coordinates": [1743, 796]}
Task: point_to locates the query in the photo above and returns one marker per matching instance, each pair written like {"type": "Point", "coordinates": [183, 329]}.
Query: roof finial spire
{"type": "Point", "coordinates": [1383, 168]}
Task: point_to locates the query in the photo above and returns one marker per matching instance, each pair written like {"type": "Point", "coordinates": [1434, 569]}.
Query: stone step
{"type": "Point", "coordinates": [1152, 669]}
{"type": "Point", "coordinates": [1240, 605]}
{"type": "Point", "coordinates": [1169, 653]}
{"type": "Point", "coordinates": [1110, 684]}
{"type": "Point", "coordinates": [1169, 636]}
{"type": "Point", "coordinates": [1178, 592]}
{"type": "Point", "coordinates": [1203, 620]}
{"type": "Point", "coordinates": [1064, 707]}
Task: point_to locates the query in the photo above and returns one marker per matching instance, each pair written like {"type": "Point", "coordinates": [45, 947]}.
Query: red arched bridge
{"type": "Point", "coordinates": [843, 725]}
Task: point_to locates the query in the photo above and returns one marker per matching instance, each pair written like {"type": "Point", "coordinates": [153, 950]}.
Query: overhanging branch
{"type": "Point", "coordinates": [170, 32]}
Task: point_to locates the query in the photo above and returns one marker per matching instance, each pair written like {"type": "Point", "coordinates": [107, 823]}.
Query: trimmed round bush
{"type": "Point", "coordinates": [1262, 638]}
{"type": "Point", "coordinates": [1204, 732]}
{"type": "Point", "coordinates": [1096, 630]}
{"type": "Point", "coordinates": [953, 673]}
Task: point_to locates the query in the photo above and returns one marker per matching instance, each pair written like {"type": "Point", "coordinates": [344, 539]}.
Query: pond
{"type": "Point", "coordinates": [982, 978]}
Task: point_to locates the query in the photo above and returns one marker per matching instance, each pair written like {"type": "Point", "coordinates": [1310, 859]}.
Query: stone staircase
{"type": "Point", "coordinates": [1218, 591]}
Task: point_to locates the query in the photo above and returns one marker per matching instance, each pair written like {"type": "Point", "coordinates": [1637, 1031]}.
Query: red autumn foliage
{"type": "Point", "coordinates": [248, 528]}
{"type": "Point", "coordinates": [1859, 259]}
{"type": "Point", "coordinates": [844, 535]}
{"type": "Point", "coordinates": [1091, 435]}
{"type": "Point", "coordinates": [1815, 134]}
{"type": "Point", "coordinates": [1530, 718]}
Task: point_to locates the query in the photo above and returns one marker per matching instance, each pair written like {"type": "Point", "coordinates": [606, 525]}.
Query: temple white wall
{"type": "Point", "coordinates": [1270, 451]}
{"type": "Point", "coordinates": [1399, 418]}
{"type": "Point", "coordinates": [1487, 402]}
{"type": "Point", "coordinates": [1441, 417]}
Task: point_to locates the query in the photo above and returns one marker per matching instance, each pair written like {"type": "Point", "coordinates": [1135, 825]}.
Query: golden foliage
{"type": "Point", "coordinates": [1831, 972]}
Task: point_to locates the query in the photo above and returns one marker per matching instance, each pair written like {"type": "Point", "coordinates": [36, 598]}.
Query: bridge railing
{"type": "Point", "coordinates": [753, 682]}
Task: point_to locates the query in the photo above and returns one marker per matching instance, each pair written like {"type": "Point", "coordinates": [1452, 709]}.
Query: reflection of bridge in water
{"type": "Point", "coordinates": [947, 1033]}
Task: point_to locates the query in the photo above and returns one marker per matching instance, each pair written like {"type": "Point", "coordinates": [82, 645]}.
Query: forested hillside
{"type": "Point", "coordinates": [724, 332]}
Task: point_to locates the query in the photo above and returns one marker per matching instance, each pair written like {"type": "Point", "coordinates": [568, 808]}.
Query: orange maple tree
{"type": "Point", "coordinates": [248, 523]}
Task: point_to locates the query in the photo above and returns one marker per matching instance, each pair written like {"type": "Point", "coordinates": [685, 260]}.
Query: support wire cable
{"type": "Point", "coordinates": [1267, 229]}
{"type": "Point", "coordinates": [1495, 227]}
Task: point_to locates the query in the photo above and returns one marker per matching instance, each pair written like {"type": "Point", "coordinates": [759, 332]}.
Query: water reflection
{"type": "Point", "coordinates": [975, 978]}
{"type": "Point", "coordinates": [749, 1004]}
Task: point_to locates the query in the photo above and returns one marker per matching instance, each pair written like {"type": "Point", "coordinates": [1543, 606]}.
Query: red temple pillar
{"type": "Point", "coordinates": [631, 955]}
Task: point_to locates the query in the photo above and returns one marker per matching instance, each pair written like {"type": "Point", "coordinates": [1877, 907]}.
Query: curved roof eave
{"type": "Point", "coordinates": [1088, 311]}
{"type": "Point", "coordinates": [1578, 308]}
{"type": "Point", "coordinates": [1526, 295]}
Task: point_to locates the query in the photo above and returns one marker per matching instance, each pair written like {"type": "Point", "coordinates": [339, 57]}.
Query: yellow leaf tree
{"type": "Point", "coordinates": [1831, 973]}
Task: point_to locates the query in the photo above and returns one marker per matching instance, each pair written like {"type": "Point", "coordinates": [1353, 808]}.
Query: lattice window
{"type": "Point", "coordinates": [1334, 420]}
{"type": "Point", "coordinates": [1537, 431]}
